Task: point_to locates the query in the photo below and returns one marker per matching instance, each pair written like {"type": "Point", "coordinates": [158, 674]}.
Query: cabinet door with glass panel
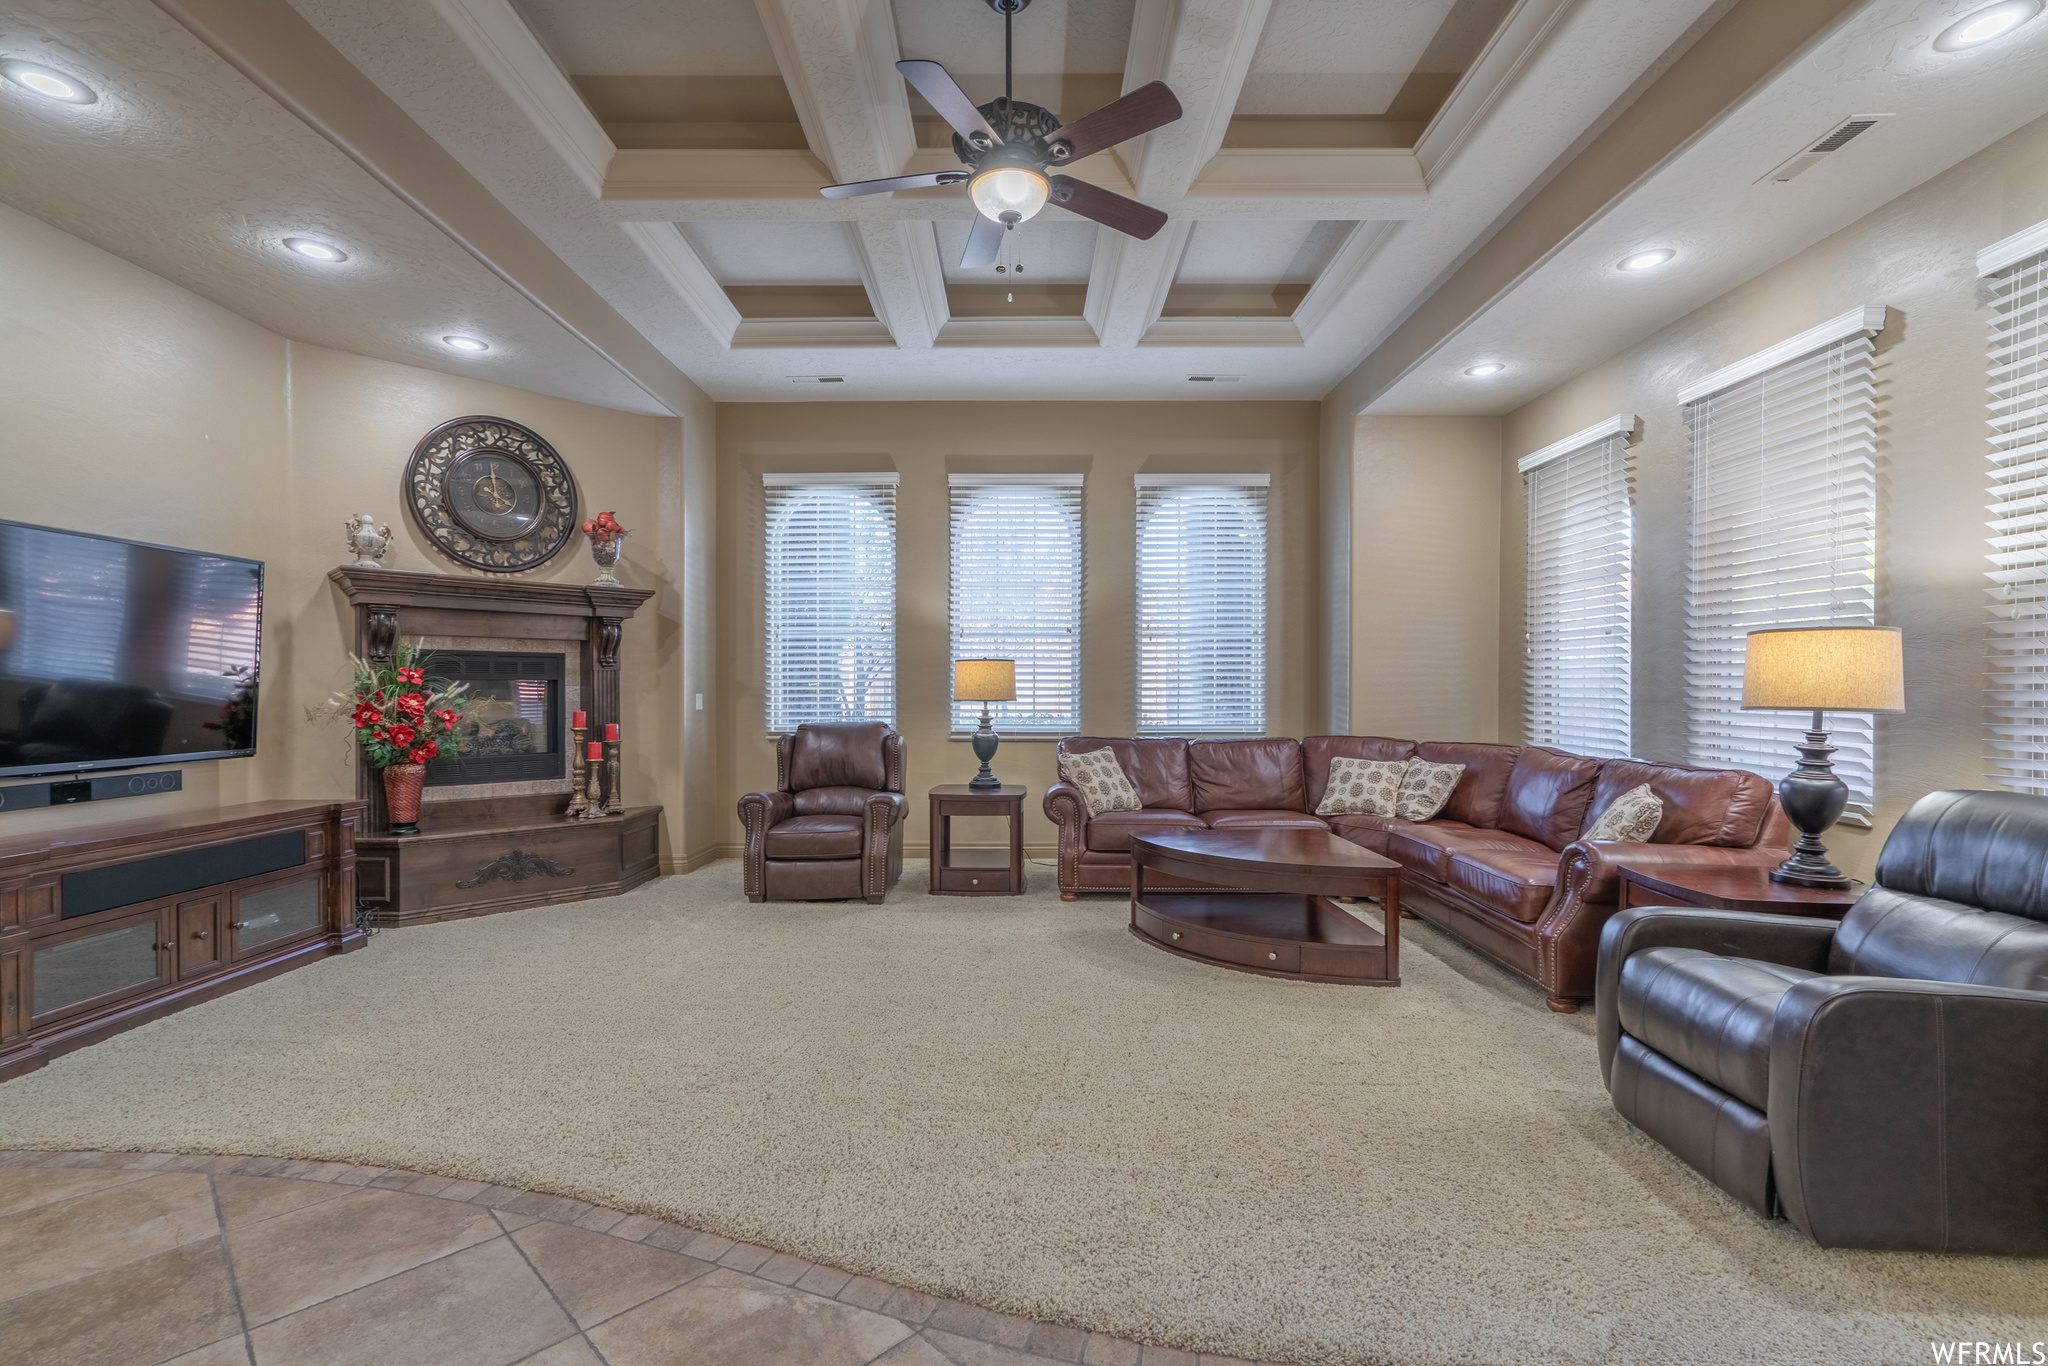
{"type": "Point", "coordinates": [75, 972]}
{"type": "Point", "coordinates": [264, 915]}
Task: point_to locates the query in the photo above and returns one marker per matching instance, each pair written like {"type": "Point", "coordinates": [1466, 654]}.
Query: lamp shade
{"type": "Point", "coordinates": [985, 680]}
{"type": "Point", "coordinates": [1824, 668]}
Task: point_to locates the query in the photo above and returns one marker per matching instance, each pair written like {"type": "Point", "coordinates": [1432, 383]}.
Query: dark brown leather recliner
{"type": "Point", "coordinates": [1883, 1079]}
{"type": "Point", "coordinates": [833, 828]}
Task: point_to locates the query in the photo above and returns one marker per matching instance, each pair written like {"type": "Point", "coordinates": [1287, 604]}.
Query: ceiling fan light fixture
{"type": "Point", "coordinates": [1003, 191]}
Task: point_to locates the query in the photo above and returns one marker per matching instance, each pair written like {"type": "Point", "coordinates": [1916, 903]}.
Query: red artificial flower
{"type": "Point", "coordinates": [413, 705]}
{"type": "Point", "coordinates": [425, 752]}
{"type": "Point", "coordinates": [366, 715]}
{"type": "Point", "coordinates": [400, 736]}
{"type": "Point", "coordinates": [447, 719]}
{"type": "Point", "coordinates": [411, 676]}
{"type": "Point", "coordinates": [378, 697]}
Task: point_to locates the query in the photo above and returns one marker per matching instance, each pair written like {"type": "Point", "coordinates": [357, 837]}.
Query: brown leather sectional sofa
{"type": "Point", "coordinates": [1501, 866]}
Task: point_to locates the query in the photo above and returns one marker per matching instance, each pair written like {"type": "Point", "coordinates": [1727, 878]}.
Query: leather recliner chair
{"type": "Point", "coordinates": [1883, 1079]}
{"type": "Point", "coordinates": [833, 828]}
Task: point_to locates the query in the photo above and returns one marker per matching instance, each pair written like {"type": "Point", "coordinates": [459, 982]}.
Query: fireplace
{"type": "Point", "coordinates": [513, 730]}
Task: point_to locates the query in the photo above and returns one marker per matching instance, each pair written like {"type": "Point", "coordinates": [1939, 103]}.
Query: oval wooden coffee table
{"type": "Point", "coordinates": [1283, 922]}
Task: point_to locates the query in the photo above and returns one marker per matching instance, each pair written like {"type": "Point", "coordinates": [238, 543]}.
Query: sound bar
{"type": "Point", "coordinates": [29, 796]}
{"type": "Point", "coordinates": [125, 884]}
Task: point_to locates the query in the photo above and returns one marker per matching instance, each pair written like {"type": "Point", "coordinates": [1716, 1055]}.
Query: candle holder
{"type": "Point", "coordinates": [614, 804]}
{"type": "Point", "coordinates": [593, 802]}
{"type": "Point", "coordinates": [579, 805]}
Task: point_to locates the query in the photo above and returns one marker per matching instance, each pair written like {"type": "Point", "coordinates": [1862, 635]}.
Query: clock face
{"type": "Point", "coordinates": [493, 493]}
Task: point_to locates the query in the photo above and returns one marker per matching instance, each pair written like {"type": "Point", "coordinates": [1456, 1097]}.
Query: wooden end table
{"type": "Point", "coordinates": [958, 799]}
{"type": "Point", "coordinates": [1731, 889]}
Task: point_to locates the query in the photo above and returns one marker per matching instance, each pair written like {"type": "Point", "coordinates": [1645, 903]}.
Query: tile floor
{"type": "Point", "coordinates": [132, 1259]}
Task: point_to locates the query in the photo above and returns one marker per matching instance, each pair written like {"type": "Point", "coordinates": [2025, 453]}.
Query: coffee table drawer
{"type": "Point", "coordinates": [1228, 948]}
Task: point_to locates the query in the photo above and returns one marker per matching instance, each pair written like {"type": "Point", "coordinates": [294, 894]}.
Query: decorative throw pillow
{"type": "Point", "coordinates": [1632, 817]}
{"type": "Point", "coordinates": [1104, 785]}
{"type": "Point", "coordinates": [1362, 787]}
{"type": "Point", "coordinates": [1425, 787]}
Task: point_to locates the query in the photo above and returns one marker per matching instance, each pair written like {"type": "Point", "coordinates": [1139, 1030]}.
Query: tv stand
{"type": "Point", "coordinates": [111, 926]}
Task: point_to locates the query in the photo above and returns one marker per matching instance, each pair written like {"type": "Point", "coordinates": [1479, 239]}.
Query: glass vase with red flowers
{"type": "Point", "coordinates": [402, 718]}
{"type": "Point", "coordinates": [607, 539]}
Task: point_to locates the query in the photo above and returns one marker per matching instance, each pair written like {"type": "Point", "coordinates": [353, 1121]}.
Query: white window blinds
{"type": "Point", "coordinates": [831, 597]}
{"type": "Point", "coordinates": [1201, 604]}
{"type": "Point", "coordinates": [1784, 533]}
{"type": "Point", "coordinates": [1576, 673]}
{"type": "Point", "coordinates": [2017, 716]}
{"type": "Point", "coordinates": [1017, 582]}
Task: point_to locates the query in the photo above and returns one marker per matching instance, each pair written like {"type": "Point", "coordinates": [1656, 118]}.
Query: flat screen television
{"type": "Point", "coordinates": [116, 654]}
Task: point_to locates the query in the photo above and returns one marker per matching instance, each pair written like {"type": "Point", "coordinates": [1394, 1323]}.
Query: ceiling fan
{"type": "Point", "coordinates": [1010, 146]}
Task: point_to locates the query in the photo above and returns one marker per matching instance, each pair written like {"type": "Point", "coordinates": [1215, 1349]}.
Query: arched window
{"type": "Point", "coordinates": [1017, 576]}
{"type": "Point", "coordinates": [1201, 604]}
{"type": "Point", "coordinates": [831, 598]}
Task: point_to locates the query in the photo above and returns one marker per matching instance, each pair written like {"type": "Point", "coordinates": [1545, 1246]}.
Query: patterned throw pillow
{"type": "Point", "coordinates": [1362, 787]}
{"type": "Point", "coordinates": [1102, 781]}
{"type": "Point", "coordinates": [1632, 817]}
{"type": "Point", "coordinates": [1425, 787]}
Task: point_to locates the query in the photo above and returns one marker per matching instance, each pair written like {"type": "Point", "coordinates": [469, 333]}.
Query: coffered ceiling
{"type": "Point", "coordinates": [1360, 192]}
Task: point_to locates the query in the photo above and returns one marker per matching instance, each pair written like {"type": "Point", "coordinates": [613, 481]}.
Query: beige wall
{"type": "Point", "coordinates": [135, 408]}
{"type": "Point", "coordinates": [1916, 256]}
{"type": "Point", "coordinates": [923, 442]}
{"type": "Point", "coordinates": [1424, 574]}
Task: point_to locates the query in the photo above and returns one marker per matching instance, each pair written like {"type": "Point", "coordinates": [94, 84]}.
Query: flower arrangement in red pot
{"type": "Point", "coordinates": [607, 539]}
{"type": "Point", "coordinates": [402, 719]}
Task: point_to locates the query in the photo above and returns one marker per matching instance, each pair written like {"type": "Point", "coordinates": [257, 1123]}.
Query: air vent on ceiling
{"type": "Point", "coordinates": [1214, 379]}
{"type": "Point", "coordinates": [1828, 143]}
{"type": "Point", "coordinates": [815, 379]}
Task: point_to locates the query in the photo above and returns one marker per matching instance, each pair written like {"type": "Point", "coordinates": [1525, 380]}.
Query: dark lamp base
{"type": "Point", "coordinates": [1834, 880]}
{"type": "Point", "coordinates": [985, 750]}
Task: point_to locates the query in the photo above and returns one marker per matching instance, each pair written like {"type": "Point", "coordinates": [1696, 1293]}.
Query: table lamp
{"type": "Point", "coordinates": [985, 681]}
{"type": "Point", "coordinates": [1820, 669]}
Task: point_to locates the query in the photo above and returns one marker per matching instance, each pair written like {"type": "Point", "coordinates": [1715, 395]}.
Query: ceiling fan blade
{"type": "Point", "coordinates": [983, 242]}
{"type": "Point", "coordinates": [895, 182]}
{"type": "Point", "coordinates": [1147, 107]}
{"type": "Point", "coordinates": [944, 94]}
{"type": "Point", "coordinates": [1106, 207]}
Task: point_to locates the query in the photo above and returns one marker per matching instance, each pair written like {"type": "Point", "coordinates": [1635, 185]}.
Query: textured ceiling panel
{"type": "Point", "coordinates": [653, 37]}
{"type": "Point", "coordinates": [1053, 37]}
{"type": "Point", "coordinates": [1258, 251]}
{"type": "Point", "coordinates": [777, 253]}
{"type": "Point", "coordinates": [1052, 251]}
{"type": "Point", "coordinates": [1320, 58]}
{"type": "Point", "coordinates": [187, 169]}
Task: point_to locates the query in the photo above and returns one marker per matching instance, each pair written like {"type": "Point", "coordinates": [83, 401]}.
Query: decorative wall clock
{"type": "Point", "coordinates": [491, 494]}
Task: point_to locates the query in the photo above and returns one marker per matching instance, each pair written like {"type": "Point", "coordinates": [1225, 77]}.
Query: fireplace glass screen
{"type": "Point", "coordinates": [512, 726]}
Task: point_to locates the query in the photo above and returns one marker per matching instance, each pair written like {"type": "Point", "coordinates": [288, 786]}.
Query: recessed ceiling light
{"type": "Point", "coordinates": [1981, 26]}
{"type": "Point", "coordinates": [1645, 260]}
{"type": "Point", "coordinates": [1492, 367]}
{"type": "Point", "coordinates": [53, 85]}
{"type": "Point", "coordinates": [319, 251]}
{"type": "Point", "coordinates": [467, 343]}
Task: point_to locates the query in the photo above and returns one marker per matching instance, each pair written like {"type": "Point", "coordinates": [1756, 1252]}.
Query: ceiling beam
{"type": "Point", "coordinates": [1749, 45]}
{"type": "Point", "coordinates": [838, 58]}
{"type": "Point", "coordinates": [291, 62]}
{"type": "Point", "coordinates": [1202, 49]}
{"type": "Point", "coordinates": [521, 66]}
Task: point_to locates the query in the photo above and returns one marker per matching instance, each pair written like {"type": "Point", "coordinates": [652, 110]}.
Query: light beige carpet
{"type": "Point", "coordinates": [1013, 1102]}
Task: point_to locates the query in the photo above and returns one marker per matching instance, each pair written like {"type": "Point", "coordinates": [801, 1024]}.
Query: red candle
{"type": "Point", "coordinates": [577, 720]}
{"type": "Point", "coordinates": [611, 731]}
{"type": "Point", "coordinates": [596, 752]}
